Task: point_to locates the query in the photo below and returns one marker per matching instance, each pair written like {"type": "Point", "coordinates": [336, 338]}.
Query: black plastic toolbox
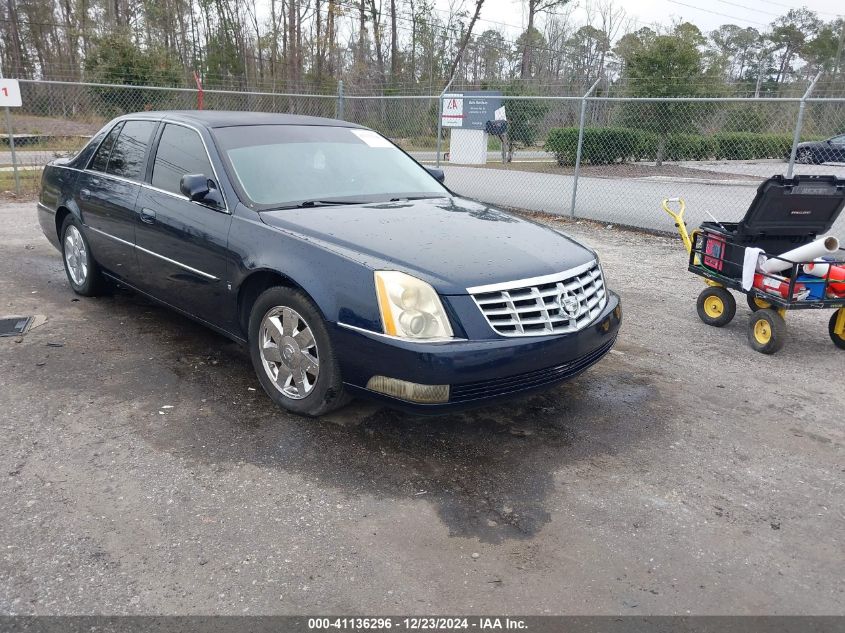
{"type": "Point", "coordinates": [785, 213]}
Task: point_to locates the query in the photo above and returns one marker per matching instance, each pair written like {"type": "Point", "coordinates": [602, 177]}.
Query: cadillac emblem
{"type": "Point", "coordinates": [569, 305]}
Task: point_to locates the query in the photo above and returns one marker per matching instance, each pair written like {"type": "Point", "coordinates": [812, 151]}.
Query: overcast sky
{"type": "Point", "coordinates": [706, 14]}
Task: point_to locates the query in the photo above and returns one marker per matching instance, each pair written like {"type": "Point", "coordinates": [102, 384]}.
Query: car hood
{"type": "Point", "coordinates": [452, 243]}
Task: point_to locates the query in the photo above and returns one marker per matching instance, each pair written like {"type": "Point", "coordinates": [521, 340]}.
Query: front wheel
{"type": "Point", "coordinates": [716, 306]}
{"type": "Point", "coordinates": [807, 157]}
{"type": "Point", "coordinates": [766, 331]}
{"type": "Point", "coordinates": [292, 354]}
{"type": "Point", "coordinates": [82, 271]}
{"type": "Point", "coordinates": [836, 328]}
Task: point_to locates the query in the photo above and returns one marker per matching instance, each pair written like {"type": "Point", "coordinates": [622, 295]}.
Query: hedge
{"type": "Point", "coordinates": [606, 145]}
{"type": "Point", "coordinates": [748, 145]}
{"type": "Point", "coordinates": [602, 145]}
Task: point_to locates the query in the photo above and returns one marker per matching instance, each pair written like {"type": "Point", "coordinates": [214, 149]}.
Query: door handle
{"type": "Point", "coordinates": [84, 194]}
{"type": "Point", "coordinates": [148, 215]}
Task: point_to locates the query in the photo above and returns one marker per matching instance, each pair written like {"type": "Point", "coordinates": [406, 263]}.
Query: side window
{"type": "Point", "coordinates": [838, 140]}
{"type": "Point", "coordinates": [101, 158]}
{"type": "Point", "coordinates": [180, 152]}
{"type": "Point", "coordinates": [127, 155]}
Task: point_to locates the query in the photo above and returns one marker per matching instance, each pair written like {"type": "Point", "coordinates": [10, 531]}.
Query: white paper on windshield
{"type": "Point", "coordinates": [371, 138]}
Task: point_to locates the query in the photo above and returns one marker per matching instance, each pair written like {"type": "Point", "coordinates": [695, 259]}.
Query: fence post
{"type": "Point", "coordinates": [440, 118]}
{"type": "Point", "coordinates": [580, 144]}
{"type": "Point", "coordinates": [199, 90]}
{"type": "Point", "coordinates": [799, 123]}
{"type": "Point", "coordinates": [339, 108]}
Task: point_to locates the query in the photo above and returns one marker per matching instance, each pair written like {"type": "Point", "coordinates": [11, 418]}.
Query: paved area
{"type": "Point", "coordinates": [628, 201]}
{"type": "Point", "coordinates": [145, 472]}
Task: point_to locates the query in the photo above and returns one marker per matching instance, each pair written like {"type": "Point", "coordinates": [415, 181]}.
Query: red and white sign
{"type": "Point", "coordinates": [10, 93]}
{"type": "Point", "coordinates": [453, 110]}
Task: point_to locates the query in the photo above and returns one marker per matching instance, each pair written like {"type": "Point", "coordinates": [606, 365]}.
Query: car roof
{"type": "Point", "coordinates": [232, 118]}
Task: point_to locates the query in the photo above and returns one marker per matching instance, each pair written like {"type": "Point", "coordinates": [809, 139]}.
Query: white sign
{"type": "Point", "coordinates": [10, 93]}
{"type": "Point", "coordinates": [500, 114]}
{"type": "Point", "coordinates": [453, 110]}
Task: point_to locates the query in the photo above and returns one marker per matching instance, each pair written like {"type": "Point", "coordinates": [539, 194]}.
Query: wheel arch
{"type": "Point", "coordinates": [257, 282]}
{"type": "Point", "coordinates": [61, 213]}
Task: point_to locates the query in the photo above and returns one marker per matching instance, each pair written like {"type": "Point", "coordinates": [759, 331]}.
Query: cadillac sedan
{"type": "Point", "coordinates": [345, 266]}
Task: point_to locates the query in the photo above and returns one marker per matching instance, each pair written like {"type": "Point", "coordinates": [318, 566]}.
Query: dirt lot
{"type": "Point", "coordinates": [683, 474]}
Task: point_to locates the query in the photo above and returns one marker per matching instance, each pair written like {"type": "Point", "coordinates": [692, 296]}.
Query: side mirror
{"type": "Point", "coordinates": [199, 188]}
{"type": "Point", "coordinates": [194, 186]}
{"type": "Point", "coordinates": [439, 174]}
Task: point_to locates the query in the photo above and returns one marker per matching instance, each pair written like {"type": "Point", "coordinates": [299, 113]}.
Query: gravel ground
{"type": "Point", "coordinates": [143, 473]}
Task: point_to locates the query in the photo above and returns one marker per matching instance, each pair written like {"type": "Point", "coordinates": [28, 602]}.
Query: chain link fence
{"type": "Point", "coordinates": [606, 158]}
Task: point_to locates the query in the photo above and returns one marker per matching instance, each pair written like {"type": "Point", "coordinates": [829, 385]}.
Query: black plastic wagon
{"type": "Point", "coordinates": [786, 213]}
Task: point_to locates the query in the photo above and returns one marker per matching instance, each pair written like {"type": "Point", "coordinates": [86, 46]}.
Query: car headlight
{"type": "Point", "coordinates": [410, 308]}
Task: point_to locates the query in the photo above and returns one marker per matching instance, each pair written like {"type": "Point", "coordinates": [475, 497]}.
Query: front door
{"type": "Point", "coordinates": [183, 245]}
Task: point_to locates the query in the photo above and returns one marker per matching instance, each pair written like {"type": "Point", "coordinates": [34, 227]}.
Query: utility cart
{"type": "Point", "coordinates": [753, 257]}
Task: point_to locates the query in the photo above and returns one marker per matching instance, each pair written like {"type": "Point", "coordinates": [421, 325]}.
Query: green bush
{"type": "Point", "coordinates": [601, 146]}
{"type": "Point", "coordinates": [750, 146]}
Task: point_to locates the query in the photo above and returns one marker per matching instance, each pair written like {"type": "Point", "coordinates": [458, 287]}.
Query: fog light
{"type": "Point", "coordinates": [410, 391]}
{"type": "Point", "coordinates": [617, 312]}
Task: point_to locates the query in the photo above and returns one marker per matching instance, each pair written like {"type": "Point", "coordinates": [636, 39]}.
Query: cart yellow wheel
{"type": "Point", "coordinates": [836, 328]}
{"type": "Point", "coordinates": [716, 306]}
{"type": "Point", "coordinates": [756, 303]}
{"type": "Point", "coordinates": [766, 331]}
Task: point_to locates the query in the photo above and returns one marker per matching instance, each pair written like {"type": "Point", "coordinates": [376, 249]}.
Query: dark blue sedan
{"type": "Point", "coordinates": [344, 265]}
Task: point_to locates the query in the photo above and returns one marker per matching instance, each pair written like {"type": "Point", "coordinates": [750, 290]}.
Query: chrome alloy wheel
{"type": "Point", "coordinates": [289, 352]}
{"type": "Point", "coordinates": [76, 256]}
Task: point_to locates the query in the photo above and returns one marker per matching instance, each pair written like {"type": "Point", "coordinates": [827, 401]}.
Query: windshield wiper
{"type": "Point", "coordinates": [307, 204]}
{"type": "Point", "coordinates": [415, 198]}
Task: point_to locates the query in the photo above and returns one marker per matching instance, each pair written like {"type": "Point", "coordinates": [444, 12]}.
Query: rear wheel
{"type": "Point", "coordinates": [836, 328]}
{"type": "Point", "coordinates": [82, 271]}
{"type": "Point", "coordinates": [766, 331]}
{"type": "Point", "coordinates": [292, 354]}
{"type": "Point", "coordinates": [716, 306]}
{"type": "Point", "coordinates": [756, 303]}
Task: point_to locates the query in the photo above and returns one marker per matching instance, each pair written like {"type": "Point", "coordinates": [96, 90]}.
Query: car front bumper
{"type": "Point", "coordinates": [477, 371]}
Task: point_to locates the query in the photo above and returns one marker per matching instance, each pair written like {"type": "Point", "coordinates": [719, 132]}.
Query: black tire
{"type": "Point", "coordinates": [316, 395]}
{"type": "Point", "coordinates": [716, 306]}
{"type": "Point", "coordinates": [807, 157]}
{"type": "Point", "coordinates": [754, 305]}
{"type": "Point", "coordinates": [838, 340]}
{"type": "Point", "coordinates": [91, 283]}
{"type": "Point", "coordinates": [766, 331]}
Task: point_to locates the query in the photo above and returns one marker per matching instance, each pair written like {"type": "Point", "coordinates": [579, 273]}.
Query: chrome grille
{"type": "Point", "coordinates": [544, 305]}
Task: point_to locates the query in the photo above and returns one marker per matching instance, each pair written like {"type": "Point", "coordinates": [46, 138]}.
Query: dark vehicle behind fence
{"type": "Point", "coordinates": [344, 265]}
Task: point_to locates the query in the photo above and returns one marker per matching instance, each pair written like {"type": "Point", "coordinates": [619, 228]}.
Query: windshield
{"type": "Point", "coordinates": [286, 165]}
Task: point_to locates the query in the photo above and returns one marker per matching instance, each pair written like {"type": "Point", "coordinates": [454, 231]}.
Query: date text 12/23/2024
{"type": "Point", "coordinates": [480, 623]}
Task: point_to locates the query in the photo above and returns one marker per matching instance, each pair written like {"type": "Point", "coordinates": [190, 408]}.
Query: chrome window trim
{"type": "Point", "coordinates": [401, 338]}
{"type": "Point", "coordinates": [154, 254]}
{"type": "Point", "coordinates": [148, 185]}
{"type": "Point", "coordinates": [533, 281]}
{"type": "Point", "coordinates": [167, 122]}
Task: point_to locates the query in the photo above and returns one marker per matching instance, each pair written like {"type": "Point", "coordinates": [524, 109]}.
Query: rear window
{"type": "Point", "coordinates": [101, 158]}
{"type": "Point", "coordinates": [128, 155]}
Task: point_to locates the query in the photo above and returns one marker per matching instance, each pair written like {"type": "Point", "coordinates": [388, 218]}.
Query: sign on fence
{"type": "Point", "coordinates": [470, 110]}
{"type": "Point", "coordinates": [10, 93]}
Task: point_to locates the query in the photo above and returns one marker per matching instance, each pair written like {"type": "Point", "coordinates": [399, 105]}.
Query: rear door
{"type": "Point", "coordinates": [182, 245]}
{"type": "Point", "coordinates": [106, 194]}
